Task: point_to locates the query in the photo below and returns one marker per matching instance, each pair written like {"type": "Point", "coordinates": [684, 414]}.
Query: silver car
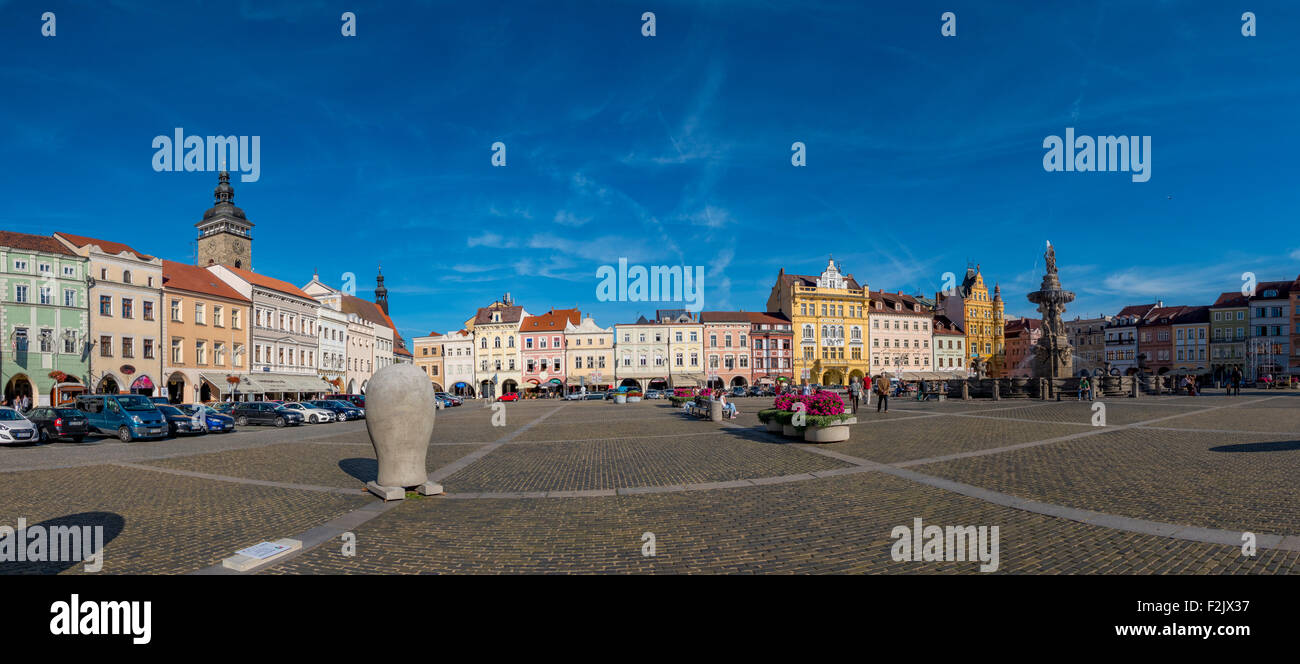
{"type": "Point", "coordinates": [311, 413]}
{"type": "Point", "coordinates": [14, 428]}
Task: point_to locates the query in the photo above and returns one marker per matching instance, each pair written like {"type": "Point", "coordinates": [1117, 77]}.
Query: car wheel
{"type": "Point", "coordinates": [124, 434]}
{"type": "Point", "coordinates": [78, 439]}
{"type": "Point", "coordinates": [241, 421]}
{"type": "Point", "coordinates": [315, 419]}
{"type": "Point", "coordinates": [279, 421]}
{"type": "Point", "coordinates": [42, 435]}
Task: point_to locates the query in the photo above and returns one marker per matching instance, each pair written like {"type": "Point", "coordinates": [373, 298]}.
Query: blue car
{"type": "Point", "coordinates": [128, 416]}
{"type": "Point", "coordinates": [216, 422]}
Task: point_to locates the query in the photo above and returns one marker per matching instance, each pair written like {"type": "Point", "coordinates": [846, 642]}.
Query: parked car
{"type": "Point", "coordinates": [215, 421]}
{"type": "Point", "coordinates": [654, 394]}
{"type": "Point", "coordinates": [455, 400]}
{"type": "Point", "coordinates": [14, 428]}
{"type": "Point", "coordinates": [223, 407]}
{"type": "Point", "coordinates": [358, 400]}
{"type": "Point", "coordinates": [180, 422]}
{"type": "Point", "coordinates": [159, 400]}
{"type": "Point", "coordinates": [343, 410]}
{"type": "Point", "coordinates": [262, 412]}
{"type": "Point", "coordinates": [509, 396]}
{"type": "Point", "coordinates": [129, 416]}
{"type": "Point", "coordinates": [575, 396]}
{"type": "Point", "coordinates": [65, 422]}
{"type": "Point", "coordinates": [311, 413]}
{"type": "Point", "coordinates": [598, 396]}
{"type": "Point", "coordinates": [739, 391]}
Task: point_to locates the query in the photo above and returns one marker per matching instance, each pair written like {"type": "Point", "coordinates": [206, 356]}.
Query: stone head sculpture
{"type": "Point", "coordinates": [400, 409]}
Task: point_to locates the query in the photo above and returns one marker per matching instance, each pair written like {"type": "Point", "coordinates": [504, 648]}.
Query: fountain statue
{"type": "Point", "coordinates": [1052, 353]}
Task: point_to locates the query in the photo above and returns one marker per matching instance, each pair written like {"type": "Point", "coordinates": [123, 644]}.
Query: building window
{"type": "Point", "coordinates": [105, 346]}
{"type": "Point", "coordinates": [20, 294]}
{"type": "Point", "coordinates": [128, 306]}
{"type": "Point", "coordinates": [177, 356]}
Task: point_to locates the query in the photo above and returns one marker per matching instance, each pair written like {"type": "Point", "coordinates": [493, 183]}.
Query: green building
{"type": "Point", "coordinates": [43, 316]}
{"type": "Point", "coordinates": [1229, 330]}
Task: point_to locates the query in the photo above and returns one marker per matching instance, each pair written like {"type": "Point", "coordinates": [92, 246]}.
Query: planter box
{"type": "Point", "coordinates": [792, 431]}
{"type": "Point", "coordinates": [773, 426]}
{"type": "Point", "coordinates": [620, 398]}
{"type": "Point", "coordinates": [832, 434]}
{"type": "Point", "coordinates": [633, 399]}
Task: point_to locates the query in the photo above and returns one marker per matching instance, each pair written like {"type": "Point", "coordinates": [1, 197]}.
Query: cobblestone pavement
{"type": "Point", "coordinates": [570, 487]}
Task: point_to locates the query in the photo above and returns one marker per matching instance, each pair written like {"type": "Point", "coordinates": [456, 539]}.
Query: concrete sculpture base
{"type": "Point", "coordinates": [398, 493]}
{"type": "Point", "coordinates": [242, 563]}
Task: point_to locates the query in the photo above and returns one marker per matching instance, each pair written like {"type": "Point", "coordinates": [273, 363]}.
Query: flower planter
{"type": "Point", "coordinates": [633, 399]}
{"type": "Point", "coordinates": [620, 398]}
{"type": "Point", "coordinates": [773, 426]}
{"type": "Point", "coordinates": [834, 433]}
{"type": "Point", "coordinates": [792, 431]}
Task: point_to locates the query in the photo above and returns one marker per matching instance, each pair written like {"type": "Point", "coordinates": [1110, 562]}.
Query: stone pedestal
{"type": "Point", "coordinates": [715, 411]}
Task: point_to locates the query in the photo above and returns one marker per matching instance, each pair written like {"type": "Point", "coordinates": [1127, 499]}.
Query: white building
{"type": "Point", "coordinates": [458, 362]}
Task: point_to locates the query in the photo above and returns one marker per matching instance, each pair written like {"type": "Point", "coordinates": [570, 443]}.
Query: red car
{"type": "Point", "coordinates": [509, 396]}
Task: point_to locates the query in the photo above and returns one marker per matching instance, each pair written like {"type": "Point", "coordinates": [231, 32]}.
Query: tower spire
{"type": "Point", "coordinates": [381, 293]}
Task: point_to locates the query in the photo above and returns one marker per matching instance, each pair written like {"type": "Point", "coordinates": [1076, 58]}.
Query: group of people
{"type": "Point", "coordinates": [22, 403]}
{"type": "Point", "coordinates": [863, 389]}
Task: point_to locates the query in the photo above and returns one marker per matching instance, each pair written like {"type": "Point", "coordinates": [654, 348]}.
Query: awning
{"type": "Point", "coordinates": [268, 382]}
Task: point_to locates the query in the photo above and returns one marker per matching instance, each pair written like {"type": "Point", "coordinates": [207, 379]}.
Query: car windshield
{"type": "Point", "coordinates": [8, 414]}
{"type": "Point", "coordinates": [210, 410]}
{"type": "Point", "coordinates": [169, 410]}
{"type": "Point", "coordinates": [136, 402]}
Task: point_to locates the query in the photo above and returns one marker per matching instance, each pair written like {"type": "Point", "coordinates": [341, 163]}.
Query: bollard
{"type": "Point", "coordinates": [965, 390]}
{"type": "Point", "coordinates": [715, 411]}
{"type": "Point", "coordinates": [996, 394]}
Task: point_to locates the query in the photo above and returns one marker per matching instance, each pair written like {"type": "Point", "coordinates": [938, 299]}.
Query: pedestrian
{"type": "Point", "coordinates": [866, 389]}
{"type": "Point", "coordinates": [1085, 389]}
{"type": "Point", "coordinates": [882, 393]}
{"type": "Point", "coordinates": [853, 395]}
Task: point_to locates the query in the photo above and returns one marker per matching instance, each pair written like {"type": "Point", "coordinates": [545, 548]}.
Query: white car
{"type": "Point", "coordinates": [14, 428]}
{"type": "Point", "coordinates": [310, 413]}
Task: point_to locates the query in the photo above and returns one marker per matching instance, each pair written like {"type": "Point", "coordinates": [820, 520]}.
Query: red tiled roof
{"type": "Point", "coordinates": [907, 301]}
{"type": "Point", "coordinates": [372, 312]}
{"type": "Point", "coordinates": [767, 317]}
{"type": "Point", "coordinates": [1232, 299]}
{"type": "Point", "coordinates": [724, 317]}
{"type": "Point", "coordinates": [807, 280]}
{"type": "Point", "coordinates": [34, 243]}
{"type": "Point", "coordinates": [107, 246]}
{"type": "Point", "coordinates": [510, 314]}
{"type": "Point", "coordinates": [267, 282]}
{"type": "Point", "coordinates": [182, 276]}
{"type": "Point", "coordinates": [553, 320]}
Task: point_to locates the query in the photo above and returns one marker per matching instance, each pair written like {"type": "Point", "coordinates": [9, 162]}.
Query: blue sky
{"type": "Point", "coordinates": [923, 151]}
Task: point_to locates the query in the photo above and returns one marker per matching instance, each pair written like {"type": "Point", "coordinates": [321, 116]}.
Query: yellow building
{"type": "Point", "coordinates": [829, 317]}
{"type": "Point", "coordinates": [981, 316]}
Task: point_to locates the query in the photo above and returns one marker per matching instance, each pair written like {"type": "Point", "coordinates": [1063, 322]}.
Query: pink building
{"type": "Point", "coordinates": [541, 340]}
{"type": "Point", "coordinates": [726, 348]}
{"type": "Point", "coordinates": [900, 333]}
{"type": "Point", "coordinates": [772, 337]}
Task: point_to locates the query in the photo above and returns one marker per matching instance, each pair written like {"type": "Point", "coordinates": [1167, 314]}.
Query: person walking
{"type": "Point", "coordinates": [866, 388]}
{"type": "Point", "coordinates": [854, 389]}
{"type": "Point", "coordinates": [882, 394]}
{"type": "Point", "coordinates": [1236, 382]}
